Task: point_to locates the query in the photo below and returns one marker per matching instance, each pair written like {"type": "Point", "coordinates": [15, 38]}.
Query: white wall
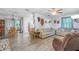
{"type": "Point", "coordinates": [8, 24]}
{"type": "Point", "coordinates": [27, 19]}
{"type": "Point", "coordinates": [75, 24]}
{"type": "Point", "coordinates": [46, 18]}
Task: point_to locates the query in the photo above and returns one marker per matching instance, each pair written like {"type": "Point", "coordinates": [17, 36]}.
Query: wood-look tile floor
{"type": "Point", "coordinates": [25, 43]}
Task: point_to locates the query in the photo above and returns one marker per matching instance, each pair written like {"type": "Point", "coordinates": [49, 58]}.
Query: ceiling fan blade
{"type": "Point", "coordinates": [53, 8]}
{"type": "Point", "coordinates": [60, 10]}
{"type": "Point", "coordinates": [50, 10]}
{"type": "Point", "coordinates": [56, 10]}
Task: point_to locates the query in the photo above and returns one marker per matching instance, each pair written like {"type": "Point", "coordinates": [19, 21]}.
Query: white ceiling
{"type": "Point", "coordinates": [43, 11]}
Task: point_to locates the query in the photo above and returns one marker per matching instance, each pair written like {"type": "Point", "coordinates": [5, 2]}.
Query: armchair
{"type": "Point", "coordinates": [70, 43]}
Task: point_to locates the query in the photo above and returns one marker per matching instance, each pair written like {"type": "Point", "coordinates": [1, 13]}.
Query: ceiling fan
{"type": "Point", "coordinates": [56, 11]}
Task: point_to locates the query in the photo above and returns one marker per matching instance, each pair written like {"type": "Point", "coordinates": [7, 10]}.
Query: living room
{"type": "Point", "coordinates": [39, 29]}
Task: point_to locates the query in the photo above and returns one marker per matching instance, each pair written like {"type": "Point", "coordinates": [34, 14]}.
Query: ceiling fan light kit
{"type": "Point", "coordinates": [56, 11]}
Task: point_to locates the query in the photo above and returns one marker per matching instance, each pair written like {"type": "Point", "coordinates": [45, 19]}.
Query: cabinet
{"type": "Point", "coordinates": [2, 28]}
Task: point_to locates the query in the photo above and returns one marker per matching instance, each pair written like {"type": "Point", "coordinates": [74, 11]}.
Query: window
{"type": "Point", "coordinates": [67, 22]}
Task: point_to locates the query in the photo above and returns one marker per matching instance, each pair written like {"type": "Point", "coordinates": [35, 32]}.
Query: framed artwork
{"type": "Point", "coordinates": [42, 21]}
{"type": "Point", "coordinates": [76, 20]}
{"type": "Point", "coordinates": [38, 19]}
{"type": "Point", "coordinates": [57, 22]}
{"type": "Point", "coordinates": [54, 21]}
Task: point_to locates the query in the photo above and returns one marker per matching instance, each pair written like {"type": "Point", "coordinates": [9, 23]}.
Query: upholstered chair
{"type": "Point", "coordinates": [58, 44]}
{"type": "Point", "coordinates": [70, 43]}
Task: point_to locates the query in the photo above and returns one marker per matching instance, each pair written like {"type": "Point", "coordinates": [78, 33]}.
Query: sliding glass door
{"type": "Point", "coordinates": [67, 23]}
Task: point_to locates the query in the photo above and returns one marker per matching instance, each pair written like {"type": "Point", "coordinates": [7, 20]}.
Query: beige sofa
{"type": "Point", "coordinates": [62, 32]}
{"type": "Point", "coordinates": [46, 33]}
